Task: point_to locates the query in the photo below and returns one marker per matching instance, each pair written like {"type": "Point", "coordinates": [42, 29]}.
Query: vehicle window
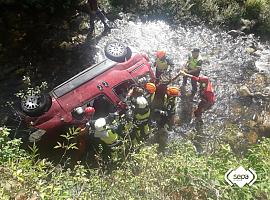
{"type": "Point", "coordinates": [83, 77]}
{"type": "Point", "coordinates": [122, 89]}
{"type": "Point", "coordinates": [102, 105]}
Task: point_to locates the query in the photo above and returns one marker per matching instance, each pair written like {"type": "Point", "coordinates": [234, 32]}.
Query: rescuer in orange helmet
{"type": "Point", "coordinates": [162, 63]}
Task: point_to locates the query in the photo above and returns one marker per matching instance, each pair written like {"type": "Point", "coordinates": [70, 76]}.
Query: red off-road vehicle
{"type": "Point", "coordinates": [102, 86]}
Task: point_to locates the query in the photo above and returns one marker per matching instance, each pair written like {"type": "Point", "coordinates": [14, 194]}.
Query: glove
{"type": "Point", "coordinates": [156, 110]}
{"type": "Point", "coordinates": [129, 114]}
{"type": "Point", "coordinates": [163, 113]}
{"type": "Point", "coordinates": [153, 123]}
{"type": "Point", "coordinates": [184, 72]}
{"type": "Point", "coordinates": [114, 127]}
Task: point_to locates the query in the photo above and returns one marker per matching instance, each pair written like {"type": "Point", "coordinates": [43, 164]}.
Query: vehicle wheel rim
{"type": "Point", "coordinates": [116, 49]}
{"type": "Point", "coordinates": [31, 102]}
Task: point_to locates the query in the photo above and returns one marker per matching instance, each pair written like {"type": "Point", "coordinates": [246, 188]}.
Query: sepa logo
{"type": "Point", "coordinates": [241, 177]}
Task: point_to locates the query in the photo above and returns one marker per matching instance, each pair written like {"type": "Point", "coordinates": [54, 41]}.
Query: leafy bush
{"type": "Point", "coordinates": [253, 9]}
{"type": "Point", "coordinates": [29, 90]}
{"type": "Point", "coordinates": [179, 173]}
{"type": "Point", "coordinates": [265, 18]}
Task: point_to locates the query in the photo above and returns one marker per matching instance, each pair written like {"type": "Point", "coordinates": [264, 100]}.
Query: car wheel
{"type": "Point", "coordinates": [35, 105]}
{"type": "Point", "coordinates": [117, 52]}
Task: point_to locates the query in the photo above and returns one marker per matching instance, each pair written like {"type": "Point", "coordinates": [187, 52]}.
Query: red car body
{"type": "Point", "coordinates": [98, 80]}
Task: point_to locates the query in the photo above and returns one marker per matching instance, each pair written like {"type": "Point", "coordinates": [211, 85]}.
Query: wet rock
{"type": "Point", "coordinates": [247, 24]}
{"type": "Point", "coordinates": [244, 91]}
{"type": "Point", "coordinates": [250, 50]}
{"type": "Point", "coordinates": [235, 33]}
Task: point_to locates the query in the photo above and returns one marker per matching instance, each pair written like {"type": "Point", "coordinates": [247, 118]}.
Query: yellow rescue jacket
{"type": "Point", "coordinates": [170, 104]}
{"type": "Point", "coordinates": [142, 117]}
{"type": "Point", "coordinates": [193, 63]}
{"type": "Point", "coordinates": [161, 65]}
{"type": "Point", "coordinates": [112, 137]}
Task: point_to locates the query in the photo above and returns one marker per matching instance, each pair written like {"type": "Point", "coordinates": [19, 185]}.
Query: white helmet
{"type": "Point", "coordinates": [99, 124]}
{"type": "Point", "coordinates": [141, 102]}
{"type": "Point", "coordinates": [79, 110]}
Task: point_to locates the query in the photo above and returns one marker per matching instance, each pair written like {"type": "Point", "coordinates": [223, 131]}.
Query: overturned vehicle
{"type": "Point", "coordinates": [101, 87]}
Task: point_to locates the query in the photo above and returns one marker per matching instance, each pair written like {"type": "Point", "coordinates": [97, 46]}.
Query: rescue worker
{"type": "Point", "coordinates": [162, 64]}
{"type": "Point", "coordinates": [82, 115]}
{"type": "Point", "coordinates": [150, 91]}
{"type": "Point", "coordinates": [78, 113]}
{"type": "Point", "coordinates": [141, 112]}
{"type": "Point", "coordinates": [207, 96]}
{"type": "Point", "coordinates": [168, 112]}
{"type": "Point", "coordinates": [134, 92]}
{"type": "Point", "coordinates": [107, 134]}
{"type": "Point", "coordinates": [96, 11]}
{"type": "Point", "coordinates": [193, 67]}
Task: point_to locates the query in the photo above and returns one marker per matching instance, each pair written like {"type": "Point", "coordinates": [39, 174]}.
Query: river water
{"type": "Point", "coordinates": [226, 62]}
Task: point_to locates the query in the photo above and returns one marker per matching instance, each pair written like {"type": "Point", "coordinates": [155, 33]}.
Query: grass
{"type": "Point", "coordinates": [177, 174]}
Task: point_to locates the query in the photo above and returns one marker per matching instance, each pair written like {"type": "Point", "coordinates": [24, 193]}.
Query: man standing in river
{"type": "Point", "coordinates": [193, 67]}
{"type": "Point", "coordinates": [94, 11]}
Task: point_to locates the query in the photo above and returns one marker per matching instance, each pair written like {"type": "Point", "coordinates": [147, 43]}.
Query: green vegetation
{"type": "Point", "coordinates": [29, 90]}
{"type": "Point", "coordinates": [218, 12]}
{"type": "Point", "coordinates": [177, 174]}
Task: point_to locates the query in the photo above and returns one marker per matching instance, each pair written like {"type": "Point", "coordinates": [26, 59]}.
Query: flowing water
{"type": "Point", "coordinates": [226, 62]}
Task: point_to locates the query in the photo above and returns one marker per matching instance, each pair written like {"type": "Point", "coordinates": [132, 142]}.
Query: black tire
{"type": "Point", "coordinates": [117, 52]}
{"type": "Point", "coordinates": [35, 106]}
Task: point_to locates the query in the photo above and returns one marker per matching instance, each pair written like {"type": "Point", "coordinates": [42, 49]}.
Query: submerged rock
{"type": "Point", "coordinates": [235, 33]}
{"type": "Point", "coordinates": [244, 91]}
